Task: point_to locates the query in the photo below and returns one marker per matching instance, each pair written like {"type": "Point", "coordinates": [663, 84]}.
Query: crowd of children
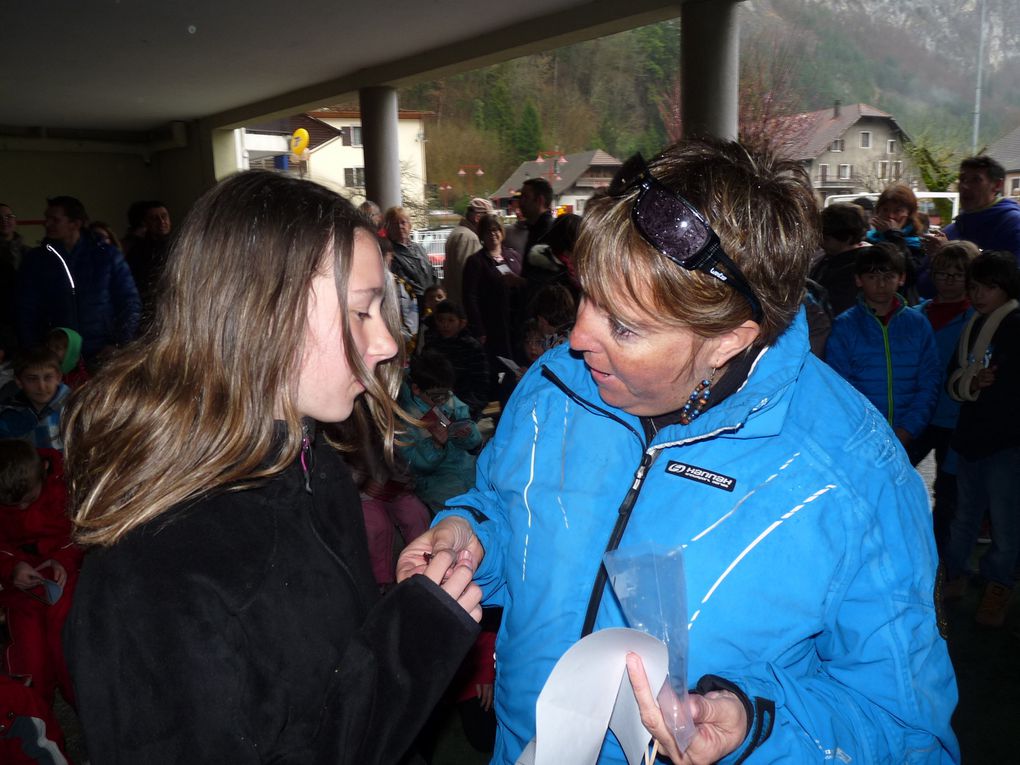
{"type": "Point", "coordinates": [932, 341]}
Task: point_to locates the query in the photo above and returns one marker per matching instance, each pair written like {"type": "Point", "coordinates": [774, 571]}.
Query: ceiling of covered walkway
{"type": "Point", "coordinates": [116, 68]}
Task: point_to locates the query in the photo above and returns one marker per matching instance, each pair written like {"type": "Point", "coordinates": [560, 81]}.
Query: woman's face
{"type": "Point", "coordinates": [327, 386]}
{"type": "Point", "coordinates": [492, 238]}
{"type": "Point", "coordinates": [639, 366]}
{"type": "Point", "coordinates": [398, 229]}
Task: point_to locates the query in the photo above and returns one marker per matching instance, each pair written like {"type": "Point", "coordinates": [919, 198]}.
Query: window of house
{"type": "Point", "coordinates": [823, 173]}
{"type": "Point", "coordinates": [350, 135]}
{"type": "Point", "coordinates": [897, 170]}
{"type": "Point", "coordinates": [883, 170]}
{"type": "Point", "coordinates": [844, 172]}
{"type": "Point", "coordinates": [1014, 187]}
{"type": "Point", "coordinates": [890, 146]}
{"type": "Point", "coordinates": [354, 177]}
{"type": "Point", "coordinates": [865, 139]}
{"type": "Point", "coordinates": [837, 145]}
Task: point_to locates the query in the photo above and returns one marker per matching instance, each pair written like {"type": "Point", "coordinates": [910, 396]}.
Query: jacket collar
{"type": "Point", "coordinates": [756, 409]}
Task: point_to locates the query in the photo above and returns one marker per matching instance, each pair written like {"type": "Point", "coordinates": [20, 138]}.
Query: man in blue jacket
{"type": "Point", "coordinates": [75, 280]}
{"type": "Point", "coordinates": [988, 219]}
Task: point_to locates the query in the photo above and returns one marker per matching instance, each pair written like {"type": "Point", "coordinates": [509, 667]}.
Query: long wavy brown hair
{"type": "Point", "coordinates": [190, 407]}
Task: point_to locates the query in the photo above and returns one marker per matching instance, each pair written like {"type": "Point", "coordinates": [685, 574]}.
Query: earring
{"type": "Point", "coordinates": [698, 400]}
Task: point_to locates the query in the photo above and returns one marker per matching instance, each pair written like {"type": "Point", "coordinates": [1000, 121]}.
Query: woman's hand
{"type": "Point", "coordinates": [444, 541]}
{"type": "Point", "coordinates": [719, 719]}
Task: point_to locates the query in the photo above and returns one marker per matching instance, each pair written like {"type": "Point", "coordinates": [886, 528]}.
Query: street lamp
{"type": "Point", "coordinates": [444, 189]}
{"type": "Point", "coordinates": [462, 171]}
{"type": "Point", "coordinates": [558, 158]}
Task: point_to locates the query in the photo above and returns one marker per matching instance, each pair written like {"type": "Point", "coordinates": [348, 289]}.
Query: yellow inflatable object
{"type": "Point", "coordinates": [299, 141]}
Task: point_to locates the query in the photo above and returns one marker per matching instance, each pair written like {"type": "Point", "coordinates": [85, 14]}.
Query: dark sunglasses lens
{"type": "Point", "coordinates": [669, 226]}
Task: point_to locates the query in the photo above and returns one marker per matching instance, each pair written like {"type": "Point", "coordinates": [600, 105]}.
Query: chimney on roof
{"type": "Point", "coordinates": [835, 108]}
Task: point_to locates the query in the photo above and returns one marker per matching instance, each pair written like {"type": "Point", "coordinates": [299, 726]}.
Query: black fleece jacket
{"type": "Point", "coordinates": [246, 628]}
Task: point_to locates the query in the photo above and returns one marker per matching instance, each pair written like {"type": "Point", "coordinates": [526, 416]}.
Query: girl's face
{"type": "Point", "coordinates": [986, 297]}
{"type": "Point", "coordinates": [640, 366]}
{"type": "Point", "coordinates": [896, 215]}
{"type": "Point", "coordinates": [327, 386]}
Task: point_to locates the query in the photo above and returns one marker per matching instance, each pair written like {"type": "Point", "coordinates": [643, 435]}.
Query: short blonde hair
{"type": "Point", "coordinates": [761, 207]}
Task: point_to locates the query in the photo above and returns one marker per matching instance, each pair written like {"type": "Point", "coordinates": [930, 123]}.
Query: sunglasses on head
{"type": "Point", "coordinates": [677, 230]}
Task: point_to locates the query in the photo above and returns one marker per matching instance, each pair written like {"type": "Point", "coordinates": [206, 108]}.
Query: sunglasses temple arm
{"type": "Point", "coordinates": [736, 278]}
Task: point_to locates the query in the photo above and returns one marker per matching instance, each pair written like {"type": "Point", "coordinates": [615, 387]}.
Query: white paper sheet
{"type": "Point", "coordinates": [587, 693]}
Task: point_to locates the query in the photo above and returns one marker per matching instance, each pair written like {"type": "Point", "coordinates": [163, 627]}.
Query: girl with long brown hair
{"type": "Point", "coordinates": [227, 610]}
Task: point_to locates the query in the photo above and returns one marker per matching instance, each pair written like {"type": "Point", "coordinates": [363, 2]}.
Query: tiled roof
{"type": "Point", "coordinates": [821, 128]}
{"type": "Point", "coordinates": [1006, 151]}
{"type": "Point", "coordinates": [574, 166]}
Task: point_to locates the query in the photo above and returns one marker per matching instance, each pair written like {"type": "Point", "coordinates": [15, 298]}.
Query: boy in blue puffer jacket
{"type": "Point", "coordinates": [884, 349]}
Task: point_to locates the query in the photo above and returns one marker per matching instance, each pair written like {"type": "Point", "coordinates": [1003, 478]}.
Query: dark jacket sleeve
{"type": "Point", "coordinates": [471, 290]}
{"type": "Point", "coordinates": [127, 305]}
{"type": "Point", "coordinates": [393, 673]}
{"type": "Point", "coordinates": [175, 684]}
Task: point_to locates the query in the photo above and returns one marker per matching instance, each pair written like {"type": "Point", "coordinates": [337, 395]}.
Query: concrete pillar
{"type": "Point", "coordinates": [381, 145]}
{"type": "Point", "coordinates": [710, 68]}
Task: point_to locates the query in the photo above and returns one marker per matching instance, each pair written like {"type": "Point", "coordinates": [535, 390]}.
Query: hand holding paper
{"type": "Point", "coordinates": [720, 721]}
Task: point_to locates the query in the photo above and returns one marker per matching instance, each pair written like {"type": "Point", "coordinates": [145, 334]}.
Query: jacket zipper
{"type": "Point", "coordinates": [623, 513]}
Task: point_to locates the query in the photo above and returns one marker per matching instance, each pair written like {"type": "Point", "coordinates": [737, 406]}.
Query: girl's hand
{"type": "Point", "coordinates": [985, 378]}
{"type": "Point", "coordinates": [453, 573]}
{"type": "Point", "coordinates": [25, 577]}
{"type": "Point", "coordinates": [484, 693]}
{"type": "Point", "coordinates": [719, 719]}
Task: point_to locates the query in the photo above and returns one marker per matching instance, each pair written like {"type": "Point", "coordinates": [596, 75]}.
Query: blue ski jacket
{"type": "Point", "coordinates": [809, 558]}
{"type": "Point", "coordinates": [895, 365]}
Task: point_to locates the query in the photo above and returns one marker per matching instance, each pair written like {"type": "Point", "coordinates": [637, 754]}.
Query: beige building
{"type": "Point", "coordinates": [851, 149]}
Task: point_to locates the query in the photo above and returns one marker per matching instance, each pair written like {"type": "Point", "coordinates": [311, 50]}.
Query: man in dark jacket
{"type": "Point", "coordinates": [74, 280]}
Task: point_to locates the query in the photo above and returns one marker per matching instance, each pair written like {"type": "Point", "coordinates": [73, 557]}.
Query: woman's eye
{"type": "Point", "coordinates": [618, 329]}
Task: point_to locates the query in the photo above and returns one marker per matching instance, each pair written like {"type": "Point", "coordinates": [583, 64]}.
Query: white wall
{"type": "Point", "coordinates": [326, 163]}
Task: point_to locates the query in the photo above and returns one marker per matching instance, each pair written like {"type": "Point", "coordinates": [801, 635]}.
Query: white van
{"type": "Point", "coordinates": [926, 203]}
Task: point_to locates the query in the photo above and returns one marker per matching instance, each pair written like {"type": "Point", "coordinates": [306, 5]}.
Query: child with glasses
{"type": "Point", "coordinates": [947, 313]}
{"type": "Point", "coordinates": [441, 452]}
{"type": "Point", "coordinates": [883, 348]}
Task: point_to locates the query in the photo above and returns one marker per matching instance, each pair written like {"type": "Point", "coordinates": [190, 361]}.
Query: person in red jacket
{"type": "Point", "coordinates": [38, 564]}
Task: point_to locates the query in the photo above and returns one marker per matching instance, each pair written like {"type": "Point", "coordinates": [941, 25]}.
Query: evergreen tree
{"type": "Point", "coordinates": [528, 135]}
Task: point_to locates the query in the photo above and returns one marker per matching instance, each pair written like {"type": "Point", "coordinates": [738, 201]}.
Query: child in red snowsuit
{"type": "Point", "coordinates": [38, 565]}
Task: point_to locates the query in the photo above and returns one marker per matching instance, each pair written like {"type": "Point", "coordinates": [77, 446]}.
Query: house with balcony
{"type": "Point", "coordinates": [574, 177]}
{"type": "Point", "coordinates": [335, 155]}
{"type": "Point", "coordinates": [1006, 151]}
{"type": "Point", "coordinates": [851, 149]}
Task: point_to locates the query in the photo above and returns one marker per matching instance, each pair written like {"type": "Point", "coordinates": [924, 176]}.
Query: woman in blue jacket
{"type": "Point", "coordinates": [688, 410]}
